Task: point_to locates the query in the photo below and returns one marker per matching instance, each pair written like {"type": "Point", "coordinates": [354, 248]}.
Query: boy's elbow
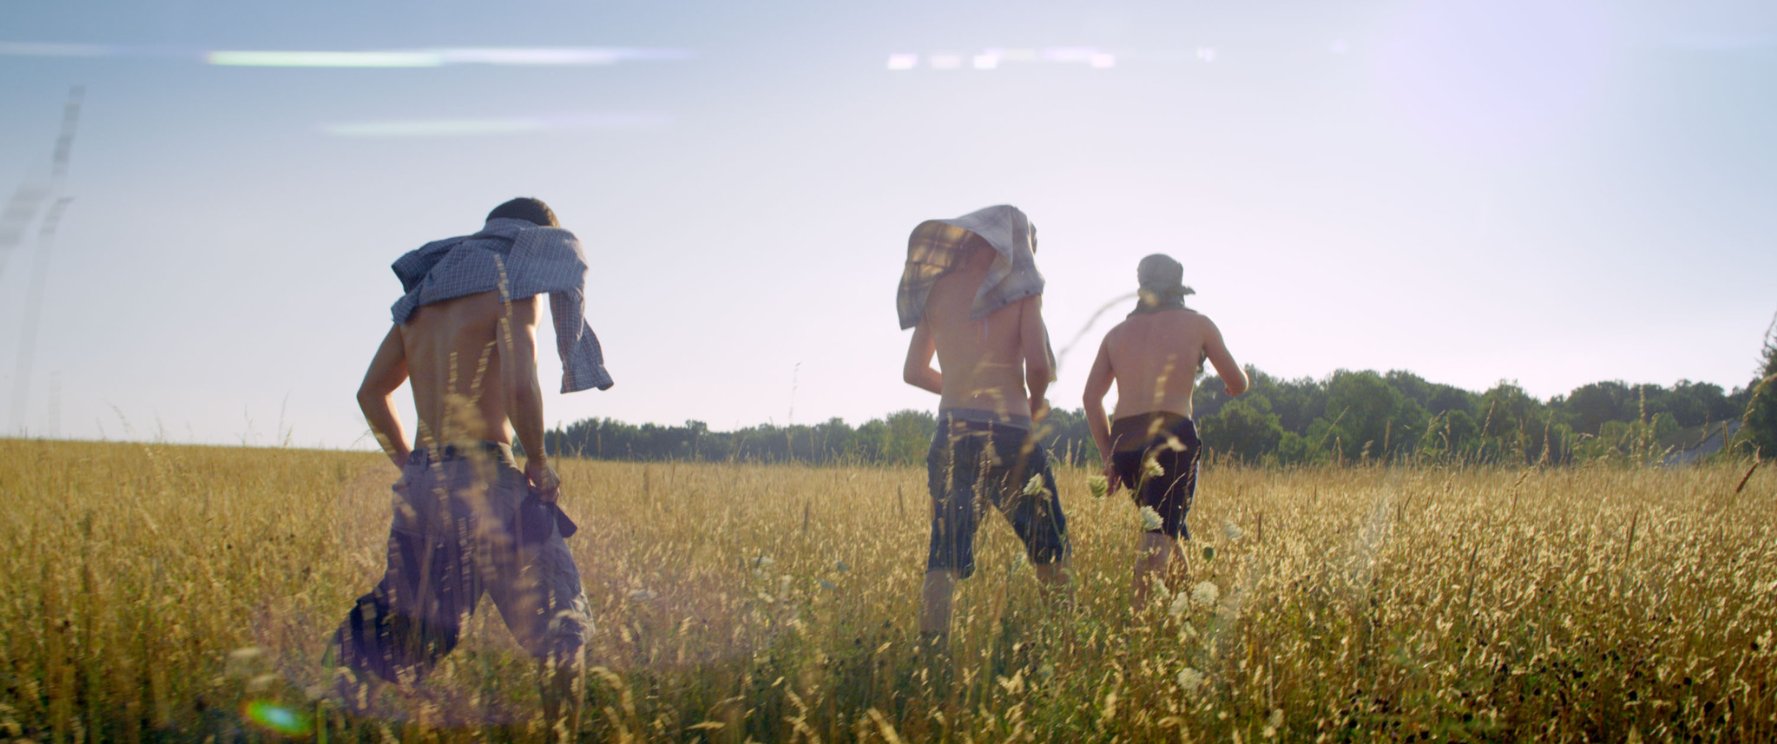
{"type": "Point", "coordinates": [1237, 387]}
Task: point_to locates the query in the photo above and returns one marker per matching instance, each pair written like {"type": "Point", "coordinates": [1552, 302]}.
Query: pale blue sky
{"type": "Point", "coordinates": [1469, 190]}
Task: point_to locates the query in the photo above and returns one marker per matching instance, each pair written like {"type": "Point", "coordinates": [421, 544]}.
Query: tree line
{"type": "Point", "coordinates": [1347, 417]}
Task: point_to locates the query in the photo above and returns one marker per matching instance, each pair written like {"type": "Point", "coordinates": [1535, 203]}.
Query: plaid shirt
{"type": "Point", "coordinates": [521, 260]}
{"type": "Point", "coordinates": [935, 248]}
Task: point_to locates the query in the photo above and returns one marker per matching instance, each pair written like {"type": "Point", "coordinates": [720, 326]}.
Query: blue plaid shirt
{"type": "Point", "coordinates": [521, 260]}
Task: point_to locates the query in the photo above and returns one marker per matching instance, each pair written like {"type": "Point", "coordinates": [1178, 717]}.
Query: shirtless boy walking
{"type": "Point", "coordinates": [467, 520]}
{"type": "Point", "coordinates": [1152, 447]}
{"type": "Point", "coordinates": [973, 297]}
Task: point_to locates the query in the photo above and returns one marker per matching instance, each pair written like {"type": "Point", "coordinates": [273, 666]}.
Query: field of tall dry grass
{"type": "Point", "coordinates": [167, 592]}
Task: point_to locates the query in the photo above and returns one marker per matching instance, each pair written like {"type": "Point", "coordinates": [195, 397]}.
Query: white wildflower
{"type": "Point", "coordinates": [1190, 679]}
{"type": "Point", "coordinates": [1181, 603]}
{"type": "Point", "coordinates": [246, 655]}
{"type": "Point", "coordinates": [261, 683]}
{"type": "Point", "coordinates": [245, 662]}
{"type": "Point", "coordinates": [763, 561]}
{"type": "Point", "coordinates": [1150, 519]}
{"type": "Point", "coordinates": [1098, 485]}
{"type": "Point", "coordinates": [1232, 531]}
{"type": "Point", "coordinates": [1205, 594]}
{"type": "Point", "coordinates": [642, 595]}
{"type": "Point", "coordinates": [1151, 468]}
{"type": "Point", "coordinates": [1034, 486]}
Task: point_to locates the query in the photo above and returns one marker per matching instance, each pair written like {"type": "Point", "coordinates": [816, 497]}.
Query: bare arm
{"type": "Point", "coordinates": [1098, 382]}
{"type": "Point", "coordinates": [1033, 339]}
{"type": "Point", "coordinates": [1232, 375]}
{"type": "Point", "coordinates": [388, 369]}
{"type": "Point", "coordinates": [918, 370]}
{"type": "Point", "coordinates": [518, 367]}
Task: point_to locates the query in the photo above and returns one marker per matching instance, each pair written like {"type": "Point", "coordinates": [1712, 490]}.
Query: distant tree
{"type": "Point", "coordinates": [1297, 402]}
{"type": "Point", "coordinates": [909, 436]}
{"type": "Point", "coordinates": [1761, 410]}
{"type": "Point", "coordinates": [1370, 417]}
{"type": "Point", "coordinates": [1697, 403]}
{"type": "Point", "coordinates": [1450, 433]}
{"type": "Point", "coordinates": [1590, 405]}
{"type": "Point", "coordinates": [1248, 430]}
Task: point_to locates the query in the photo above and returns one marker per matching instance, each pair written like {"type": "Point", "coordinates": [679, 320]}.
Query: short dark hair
{"type": "Point", "coordinates": [529, 209]}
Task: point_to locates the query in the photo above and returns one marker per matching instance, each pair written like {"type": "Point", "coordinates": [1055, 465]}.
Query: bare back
{"type": "Point", "coordinates": [982, 360]}
{"type": "Point", "coordinates": [1155, 358]}
{"type": "Point", "coordinates": [454, 360]}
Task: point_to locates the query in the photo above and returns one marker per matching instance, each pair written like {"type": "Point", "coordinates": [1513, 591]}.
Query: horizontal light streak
{"type": "Point", "coordinates": [420, 128]}
{"type": "Point", "coordinates": [996, 58]}
{"type": "Point", "coordinates": [497, 56]}
{"type": "Point", "coordinates": [323, 59]}
{"type": "Point", "coordinates": [363, 59]}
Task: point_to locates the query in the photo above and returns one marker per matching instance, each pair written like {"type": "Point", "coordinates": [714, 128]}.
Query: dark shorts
{"type": "Point", "coordinates": [974, 464]}
{"type": "Point", "coordinates": [1170, 440]}
{"type": "Point", "coordinates": [463, 527]}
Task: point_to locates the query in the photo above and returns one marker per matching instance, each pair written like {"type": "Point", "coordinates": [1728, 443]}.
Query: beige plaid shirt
{"type": "Point", "coordinates": [935, 248]}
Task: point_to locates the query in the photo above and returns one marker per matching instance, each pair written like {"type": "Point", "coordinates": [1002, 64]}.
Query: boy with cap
{"type": "Point", "coordinates": [1152, 448]}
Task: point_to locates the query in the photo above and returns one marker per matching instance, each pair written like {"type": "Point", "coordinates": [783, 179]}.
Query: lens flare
{"type": "Point", "coordinates": [278, 718]}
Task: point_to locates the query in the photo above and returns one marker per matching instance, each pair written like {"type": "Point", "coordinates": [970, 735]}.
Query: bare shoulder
{"type": "Point", "coordinates": [1117, 332]}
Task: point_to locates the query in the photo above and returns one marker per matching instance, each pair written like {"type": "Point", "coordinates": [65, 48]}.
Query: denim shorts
{"type": "Point", "coordinates": [973, 465]}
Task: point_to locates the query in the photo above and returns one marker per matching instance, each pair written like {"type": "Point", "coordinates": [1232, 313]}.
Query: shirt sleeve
{"type": "Point", "coordinates": [582, 359]}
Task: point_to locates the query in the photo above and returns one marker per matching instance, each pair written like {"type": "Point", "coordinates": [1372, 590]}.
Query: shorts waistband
{"type": "Point", "coordinates": [1137, 431]}
{"type": "Point", "coordinates": [500, 451]}
{"type": "Point", "coordinates": [982, 417]}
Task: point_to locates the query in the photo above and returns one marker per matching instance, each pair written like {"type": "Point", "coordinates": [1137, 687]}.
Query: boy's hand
{"type": "Point", "coordinates": [1112, 479]}
{"type": "Point", "coordinates": [542, 479]}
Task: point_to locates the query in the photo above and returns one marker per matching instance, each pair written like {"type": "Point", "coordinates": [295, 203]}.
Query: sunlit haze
{"type": "Point", "coordinates": [1552, 193]}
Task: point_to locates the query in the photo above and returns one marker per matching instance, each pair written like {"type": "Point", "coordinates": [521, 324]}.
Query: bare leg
{"type": "Point", "coordinates": [1056, 582]}
{"type": "Point", "coordinates": [935, 598]}
{"type": "Point", "coordinates": [562, 686]}
{"type": "Point", "coordinates": [1152, 553]}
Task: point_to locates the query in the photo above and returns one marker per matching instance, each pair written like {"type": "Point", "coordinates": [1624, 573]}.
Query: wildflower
{"type": "Point", "coordinates": [1190, 679]}
{"type": "Point", "coordinates": [1232, 531]}
{"type": "Point", "coordinates": [1098, 485]}
{"type": "Point", "coordinates": [763, 561]}
{"type": "Point", "coordinates": [1205, 594]}
{"type": "Point", "coordinates": [1181, 603]}
{"type": "Point", "coordinates": [1034, 486]}
{"type": "Point", "coordinates": [1150, 519]}
{"type": "Point", "coordinates": [642, 595]}
{"type": "Point", "coordinates": [1151, 468]}
{"type": "Point", "coordinates": [246, 655]}
{"type": "Point", "coordinates": [244, 662]}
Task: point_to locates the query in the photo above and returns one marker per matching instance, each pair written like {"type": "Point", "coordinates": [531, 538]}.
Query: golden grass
{"type": "Point", "coordinates": [156, 590]}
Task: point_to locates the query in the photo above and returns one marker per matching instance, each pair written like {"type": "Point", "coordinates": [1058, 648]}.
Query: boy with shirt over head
{"type": "Point", "coordinates": [973, 297]}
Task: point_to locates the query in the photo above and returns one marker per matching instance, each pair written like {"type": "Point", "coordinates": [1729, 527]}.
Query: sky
{"type": "Point", "coordinates": [1473, 190]}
